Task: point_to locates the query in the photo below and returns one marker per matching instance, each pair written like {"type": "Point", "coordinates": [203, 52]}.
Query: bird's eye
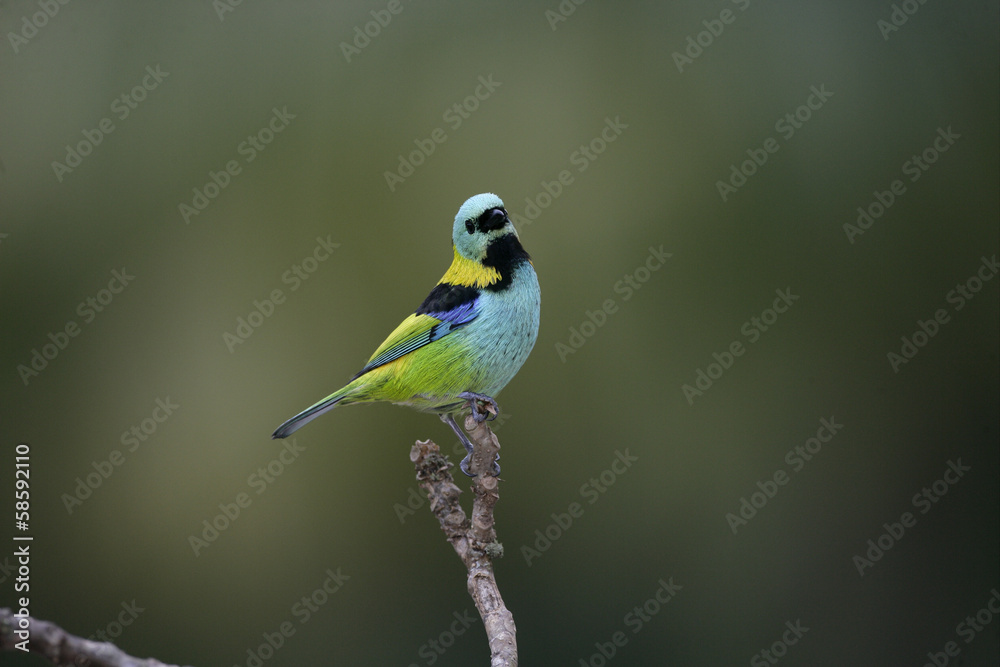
{"type": "Point", "coordinates": [470, 226]}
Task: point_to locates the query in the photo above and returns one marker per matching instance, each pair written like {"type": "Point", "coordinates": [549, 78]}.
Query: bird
{"type": "Point", "coordinates": [465, 341]}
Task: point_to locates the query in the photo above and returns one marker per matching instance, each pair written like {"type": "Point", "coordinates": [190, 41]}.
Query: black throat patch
{"type": "Point", "coordinates": [504, 254]}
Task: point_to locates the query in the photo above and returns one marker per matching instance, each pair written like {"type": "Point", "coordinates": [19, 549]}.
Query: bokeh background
{"type": "Point", "coordinates": [342, 502]}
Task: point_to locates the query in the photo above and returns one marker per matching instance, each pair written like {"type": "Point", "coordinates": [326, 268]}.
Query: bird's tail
{"type": "Point", "coordinates": [309, 414]}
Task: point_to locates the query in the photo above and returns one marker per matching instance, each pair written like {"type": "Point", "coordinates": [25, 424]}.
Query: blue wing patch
{"type": "Point", "coordinates": [456, 317]}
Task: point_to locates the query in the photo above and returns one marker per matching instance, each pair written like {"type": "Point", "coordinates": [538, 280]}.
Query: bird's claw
{"type": "Point", "coordinates": [464, 466]}
{"type": "Point", "coordinates": [484, 408]}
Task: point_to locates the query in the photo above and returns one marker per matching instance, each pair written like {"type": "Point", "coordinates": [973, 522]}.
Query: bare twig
{"type": "Point", "coordinates": [474, 541]}
{"type": "Point", "coordinates": [60, 647]}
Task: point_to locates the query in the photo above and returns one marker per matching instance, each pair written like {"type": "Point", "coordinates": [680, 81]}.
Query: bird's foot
{"type": "Point", "coordinates": [464, 466]}
{"type": "Point", "coordinates": [482, 406]}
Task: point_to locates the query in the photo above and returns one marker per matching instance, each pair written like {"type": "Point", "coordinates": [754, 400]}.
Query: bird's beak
{"type": "Point", "coordinates": [495, 219]}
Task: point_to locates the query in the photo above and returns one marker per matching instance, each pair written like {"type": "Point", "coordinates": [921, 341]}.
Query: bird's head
{"type": "Point", "coordinates": [480, 221]}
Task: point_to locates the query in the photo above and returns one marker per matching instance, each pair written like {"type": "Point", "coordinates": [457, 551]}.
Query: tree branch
{"type": "Point", "coordinates": [474, 541]}
{"type": "Point", "coordinates": [61, 648]}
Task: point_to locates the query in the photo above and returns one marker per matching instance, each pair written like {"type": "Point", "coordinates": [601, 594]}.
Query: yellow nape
{"type": "Point", "coordinates": [469, 273]}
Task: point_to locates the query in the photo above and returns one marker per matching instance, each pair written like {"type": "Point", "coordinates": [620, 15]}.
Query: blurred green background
{"type": "Point", "coordinates": [339, 504]}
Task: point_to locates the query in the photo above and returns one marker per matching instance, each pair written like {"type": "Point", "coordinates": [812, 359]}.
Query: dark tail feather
{"type": "Point", "coordinates": [306, 416]}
